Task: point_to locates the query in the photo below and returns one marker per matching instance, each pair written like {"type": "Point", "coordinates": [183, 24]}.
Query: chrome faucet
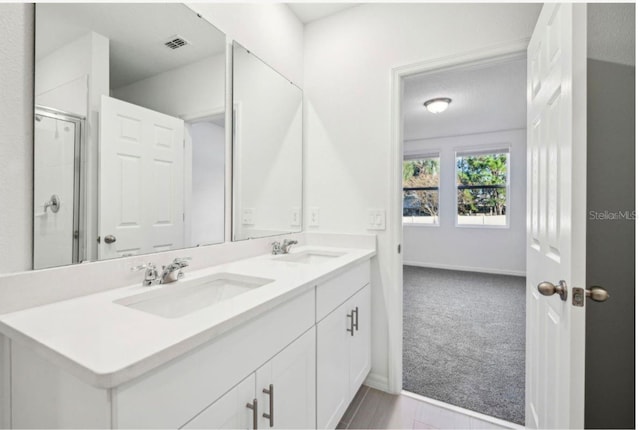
{"type": "Point", "coordinates": [150, 274]}
{"type": "Point", "coordinates": [277, 248]}
{"type": "Point", "coordinates": [173, 271]}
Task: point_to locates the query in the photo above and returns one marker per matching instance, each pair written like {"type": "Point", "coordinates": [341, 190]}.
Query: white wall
{"type": "Point", "coordinates": [62, 76]}
{"type": "Point", "coordinates": [16, 151]}
{"type": "Point", "coordinates": [207, 195]}
{"type": "Point", "coordinates": [269, 30]}
{"type": "Point", "coordinates": [493, 249]}
{"type": "Point", "coordinates": [348, 62]}
{"type": "Point", "coordinates": [188, 91]}
{"type": "Point", "coordinates": [16, 136]}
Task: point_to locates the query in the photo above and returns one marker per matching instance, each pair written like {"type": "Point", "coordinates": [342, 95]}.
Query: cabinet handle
{"type": "Point", "coordinates": [254, 407]}
{"type": "Point", "coordinates": [269, 415]}
{"type": "Point", "coordinates": [350, 316]}
{"type": "Point", "coordinates": [357, 312]}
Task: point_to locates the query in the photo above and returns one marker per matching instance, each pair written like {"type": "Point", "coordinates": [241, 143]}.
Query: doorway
{"type": "Point", "coordinates": [205, 147]}
{"type": "Point", "coordinates": [464, 203]}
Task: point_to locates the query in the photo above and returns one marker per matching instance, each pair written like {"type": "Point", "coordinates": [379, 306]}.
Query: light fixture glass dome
{"type": "Point", "coordinates": [437, 105]}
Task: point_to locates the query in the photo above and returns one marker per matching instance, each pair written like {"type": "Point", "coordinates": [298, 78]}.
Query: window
{"type": "Point", "coordinates": [482, 179]}
{"type": "Point", "coordinates": [421, 183]}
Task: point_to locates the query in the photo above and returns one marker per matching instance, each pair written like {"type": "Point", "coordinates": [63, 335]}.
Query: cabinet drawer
{"type": "Point", "coordinates": [336, 291]}
{"type": "Point", "coordinates": [170, 396]}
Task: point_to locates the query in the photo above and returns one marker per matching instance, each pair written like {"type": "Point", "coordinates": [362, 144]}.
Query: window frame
{"type": "Point", "coordinates": [483, 150]}
{"type": "Point", "coordinates": [422, 156]}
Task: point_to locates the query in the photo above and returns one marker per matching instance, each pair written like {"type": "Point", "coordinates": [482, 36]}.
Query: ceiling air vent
{"type": "Point", "coordinates": [176, 42]}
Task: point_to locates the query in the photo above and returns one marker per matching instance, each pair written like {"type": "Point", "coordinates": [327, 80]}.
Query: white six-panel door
{"type": "Point", "coordinates": [556, 216]}
{"type": "Point", "coordinates": [141, 180]}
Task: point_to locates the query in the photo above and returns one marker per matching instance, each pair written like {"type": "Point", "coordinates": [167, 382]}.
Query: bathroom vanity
{"type": "Point", "coordinates": [270, 341]}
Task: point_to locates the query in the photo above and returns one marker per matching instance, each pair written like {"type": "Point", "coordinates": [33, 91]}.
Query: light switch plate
{"type": "Point", "coordinates": [376, 219]}
{"type": "Point", "coordinates": [295, 216]}
{"type": "Point", "coordinates": [314, 217]}
{"type": "Point", "coordinates": [247, 216]}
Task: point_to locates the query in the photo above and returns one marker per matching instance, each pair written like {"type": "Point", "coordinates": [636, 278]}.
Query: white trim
{"type": "Point", "coordinates": [491, 54]}
{"type": "Point", "coordinates": [5, 397]}
{"type": "Point", "coordinates": [483, 149]}
{"type": "Point", "coordinates": [463, 411]}
{"type": "Point", "coordinates": [228, 136]}
{"type": "Point", "coordinates": [466, 268]}
{"type": "Point", "coordinates": [377, 381]}
{"type": "Point", "coordinates": [421, 155]}
{"type": "Point", "coordinates": [419, 224]}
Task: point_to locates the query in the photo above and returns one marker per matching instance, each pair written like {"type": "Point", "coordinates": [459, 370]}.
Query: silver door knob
{"type": "Point", "coordinates": [597, 294]}
{"type": "Point", "coordinates": [109, 238]}
{"type": "Point", "coordinates": [548, 289]}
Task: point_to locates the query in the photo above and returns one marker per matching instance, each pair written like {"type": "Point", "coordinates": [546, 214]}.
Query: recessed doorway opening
{"type": "Point", "coordinates": [464, 234]}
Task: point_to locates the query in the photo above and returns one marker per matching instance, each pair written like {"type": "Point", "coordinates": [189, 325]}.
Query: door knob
{"type": "Point", "coordinates": [548, 289]}
{"type": "Point", "coordinates": [597, 294]}
{"type": "Point", "coordinates": [109, 238]}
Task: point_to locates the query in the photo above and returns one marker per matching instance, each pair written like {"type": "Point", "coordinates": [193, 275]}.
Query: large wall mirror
{"type": "Point", "coordinates": [129, 139]}
{"type": "Point", "coordinates": [267, 149]}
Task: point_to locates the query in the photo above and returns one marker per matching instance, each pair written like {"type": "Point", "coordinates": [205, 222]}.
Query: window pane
{"type": "Point", "coordinates": [421, 182]}
{"type": "Point", "coordinates": [482, 189]}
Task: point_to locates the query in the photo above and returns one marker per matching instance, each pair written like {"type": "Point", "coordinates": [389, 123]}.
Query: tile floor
{"type": "Point", "coordinates": [374, 409]}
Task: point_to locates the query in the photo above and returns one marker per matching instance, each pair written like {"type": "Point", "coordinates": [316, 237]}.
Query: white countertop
{"type": "Point", "coordinates": [107, 344]}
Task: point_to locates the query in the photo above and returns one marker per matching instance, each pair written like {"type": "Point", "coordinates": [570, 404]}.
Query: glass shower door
{"type": "Point", "coordinates": [56, 183]}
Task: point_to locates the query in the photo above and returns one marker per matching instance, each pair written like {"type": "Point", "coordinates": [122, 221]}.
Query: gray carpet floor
{"type": "Point", "coordinates": [464, 340]}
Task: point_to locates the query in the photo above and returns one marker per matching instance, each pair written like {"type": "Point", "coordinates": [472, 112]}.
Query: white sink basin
{"type": "Point", "coordinates": [310, 257]}
{"type": "Point", "coordinates": [186, 296]}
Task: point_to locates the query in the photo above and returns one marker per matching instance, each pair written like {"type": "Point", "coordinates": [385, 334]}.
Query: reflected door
{"type": "Point", "coordinates": [141, 208]}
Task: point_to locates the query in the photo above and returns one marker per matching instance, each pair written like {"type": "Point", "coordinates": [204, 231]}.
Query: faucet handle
{"type": "Point", "coordinates": [181, 261]}
{"type": "Point", "coordinates": [142, 267]}
{"type": "Point", "coordinates": [150, 274]}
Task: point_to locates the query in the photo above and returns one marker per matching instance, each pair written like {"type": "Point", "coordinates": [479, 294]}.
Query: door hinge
{"type": "Point", "coordinates": [399, 248]}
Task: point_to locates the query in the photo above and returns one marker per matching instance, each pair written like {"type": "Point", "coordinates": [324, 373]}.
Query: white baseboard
{"type": "Point", "coordinates": [499, 423]}
{"type": "Point", "coordinates": [378, 382]}
{"type": "Point", "coordinates": [465, 268]}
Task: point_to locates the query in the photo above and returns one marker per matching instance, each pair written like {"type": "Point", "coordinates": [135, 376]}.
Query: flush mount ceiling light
{"type": "Point", "coordinates": [437, 105]}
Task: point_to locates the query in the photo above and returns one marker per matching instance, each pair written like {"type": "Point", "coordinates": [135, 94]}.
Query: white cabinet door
{"type": "Point", "coordinates": [333, 368]}
{"type": "Point", "coordinates": [360, 343]}
{"type": "Point", "coordinates": [344, 356]}
{"type": "Point", "coordinates": [230, 411]}
{"type": "Point", "coordinates": [285, 386]}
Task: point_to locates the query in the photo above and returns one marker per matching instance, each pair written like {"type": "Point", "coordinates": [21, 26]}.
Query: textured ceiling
{"type": "Point", "coordinates": [484, 99]}
{"type": "Point", "coordinates": [137, 33]}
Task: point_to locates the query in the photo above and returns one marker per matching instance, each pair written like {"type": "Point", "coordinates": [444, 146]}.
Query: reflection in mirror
{"type": "Point", "coordinates": [267, 149]}
{"type": "Point", "coordinates": [129, 140]}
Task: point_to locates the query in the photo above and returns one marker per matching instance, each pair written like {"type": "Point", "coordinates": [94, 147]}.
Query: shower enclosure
{"type": "Point", "coordinates": [56, 187]}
